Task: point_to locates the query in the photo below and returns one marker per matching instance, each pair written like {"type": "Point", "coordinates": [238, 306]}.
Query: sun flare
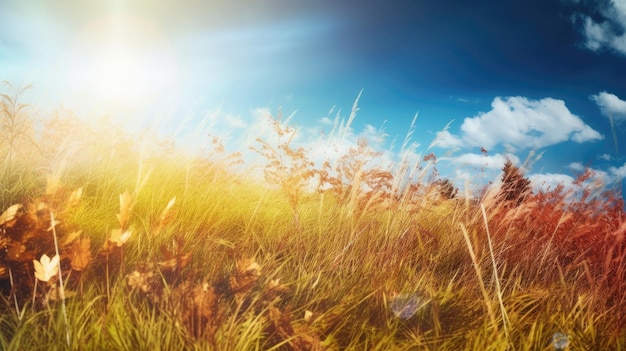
{"type": "Point", "coordinates": [122, 78]}
{"type": "Point", "coordinates": [129, 63]}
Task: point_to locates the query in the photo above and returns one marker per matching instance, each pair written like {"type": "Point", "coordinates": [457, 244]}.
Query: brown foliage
{"type": "Point", "coordinates": [81, 254]}
{"type": "Point", "coordinates": [27, 234]}
{"type": "Point", "coordinates": [287, 167]}
{"type": "Point", "coordinates": [246, 275]}
{"type": "Point", "coordinates": [515, 188]}
{"type": "Point", "coordinates": [568, 232]}
{"type": "Point", "coordinates": [446, 188]}
{"type": "Point", "coordinates": [299, 336]}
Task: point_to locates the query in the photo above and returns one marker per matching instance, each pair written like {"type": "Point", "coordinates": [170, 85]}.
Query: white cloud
{"type": "Point", "coordinates": [611, 106]}
{"type": "Point", "coordinates": [618, 173]}
{"type": "Point", "coordinates": [604, 177]}
{"type": "Point", "coordinates": [605, 157]}
{"type": "Point", "coordinates": [234, 121]}
{"type": "Point", "coordinates": [596, 34]}
{"type": "Point", "coordinates": [375, 137]}
{"type": "Point", "coordinates": [549, 181]}
{"type": "Point", "coordinates": [472, 170]}
{"type": "Point", "coordinates": [597, 182]}
{"type": "Point", "coordinates": [576, 166]}
{"type": "Point", "coordinates": [521, 123]}
{"type": "Point", "coordinates": [446, 140]}
{"type": "Point", "coordinates": [496, 161]}
{"type": "Point", "coordinates": [325, 120]}
{"type": "Point", "coordinates": [609, 31]}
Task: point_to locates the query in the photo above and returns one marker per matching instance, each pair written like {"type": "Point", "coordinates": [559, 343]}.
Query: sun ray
{"type": "Point", "coordinates": [130, 62]}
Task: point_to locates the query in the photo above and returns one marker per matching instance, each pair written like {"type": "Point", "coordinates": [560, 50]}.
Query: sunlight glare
{"type": "Point", "coordinates": [122, 78]}
{"type": "Point", "coordinates": [130, 64]}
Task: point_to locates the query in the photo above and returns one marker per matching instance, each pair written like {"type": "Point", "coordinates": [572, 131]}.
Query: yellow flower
{"type": "Point", "coordinates": [46, 268]}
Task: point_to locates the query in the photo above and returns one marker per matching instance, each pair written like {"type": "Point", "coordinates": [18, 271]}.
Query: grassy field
{"type": "Point", "coordinates": [149, 248]}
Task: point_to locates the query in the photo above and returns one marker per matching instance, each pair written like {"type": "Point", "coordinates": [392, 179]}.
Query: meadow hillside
{"type": "Point", "coordinates": [123, 241]}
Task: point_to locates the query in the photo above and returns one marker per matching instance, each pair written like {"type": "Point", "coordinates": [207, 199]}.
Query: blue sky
{"type": "Point", "coordinates": [516, 77]}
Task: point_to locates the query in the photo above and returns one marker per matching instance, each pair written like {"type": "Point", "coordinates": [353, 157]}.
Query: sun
{"type": "Point", "coordinates": [130, 64]}
{"type": "Point", "coordinates": [123, 77]}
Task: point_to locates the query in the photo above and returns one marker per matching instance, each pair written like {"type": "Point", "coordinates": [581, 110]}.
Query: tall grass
{"type": "Point", "coordinates": [165, 250]}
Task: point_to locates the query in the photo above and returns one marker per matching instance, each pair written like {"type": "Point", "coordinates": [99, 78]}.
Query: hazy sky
{"type": "Point", "coordinates": [512, 76]}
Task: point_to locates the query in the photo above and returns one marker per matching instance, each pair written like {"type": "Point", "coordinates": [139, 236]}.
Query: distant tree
{"type": "Point", "coordinates": [446, 188]}
{"type": "Point", "coordinates": [515, 187]}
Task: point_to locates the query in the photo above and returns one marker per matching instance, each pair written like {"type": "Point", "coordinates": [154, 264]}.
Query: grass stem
{"type": "Point", "coordinates": [61, 286]}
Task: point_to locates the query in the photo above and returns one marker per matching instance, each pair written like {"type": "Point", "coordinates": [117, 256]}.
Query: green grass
{"type": "Point", "coordinates": [237, 262]}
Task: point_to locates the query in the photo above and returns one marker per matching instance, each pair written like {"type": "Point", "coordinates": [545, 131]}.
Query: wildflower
{"type": "Point", "coordinates": [560, 341]}
{"type": "Point", "coordinates": [46, 268]}
{"type": "Point", "coordinates": [404, 306]}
